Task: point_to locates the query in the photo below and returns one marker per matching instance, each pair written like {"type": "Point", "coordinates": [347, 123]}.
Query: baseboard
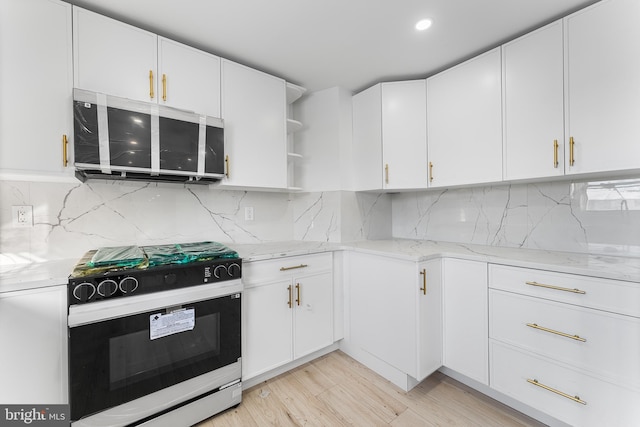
{"type": "Point", "coordinates": [250, 382]}
{"type": "Point", "coordinates": [503, 398]}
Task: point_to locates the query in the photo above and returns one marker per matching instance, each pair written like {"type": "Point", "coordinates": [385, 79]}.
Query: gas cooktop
{"type": "Point", "coordinates": [114, 272]}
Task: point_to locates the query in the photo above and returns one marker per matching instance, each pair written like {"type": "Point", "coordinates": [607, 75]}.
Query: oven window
{"type": "Point", "coordinates": [116, 361]}
{"type": "Point", "coordinates": [133, 358]}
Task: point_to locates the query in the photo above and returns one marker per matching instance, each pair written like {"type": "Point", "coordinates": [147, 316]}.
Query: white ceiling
{"type": "Point", "coordinates": [348, 43]}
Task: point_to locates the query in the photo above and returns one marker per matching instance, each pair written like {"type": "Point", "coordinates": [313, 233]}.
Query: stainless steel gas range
{"type": "Point", "coordinates": [154, 335]}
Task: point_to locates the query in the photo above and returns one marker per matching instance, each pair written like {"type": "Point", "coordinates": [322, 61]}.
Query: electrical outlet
{"type": "Point", "coordinates": [248, 213]}
{"type": "Point", "coordinates": [22, 216]}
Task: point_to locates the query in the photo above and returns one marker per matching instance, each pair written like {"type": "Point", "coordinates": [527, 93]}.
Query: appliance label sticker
{"type": "Point", "coordinates": [162, 325]}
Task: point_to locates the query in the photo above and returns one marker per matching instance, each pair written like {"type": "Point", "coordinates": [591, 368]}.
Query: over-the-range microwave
{"type": "Point", "coordinates": [118, 138]}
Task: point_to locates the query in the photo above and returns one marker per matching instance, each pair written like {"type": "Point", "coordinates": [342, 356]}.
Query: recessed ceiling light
{"type": "Point", "coordinates": [423, 24]}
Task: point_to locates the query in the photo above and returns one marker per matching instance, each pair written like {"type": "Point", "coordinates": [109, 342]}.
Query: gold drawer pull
{"type": "Point", "coordinates": [164, 87]}
{"type": "Point", "coordinates": [298, 293]}
{"type": "Point", "coordinates": [546, 387]}
{"type": "Point", "coordinates": [555, 153]}
{"type": "Point", "coordinates": [572, 144]}
{"type": "Point", "coordinates": [294, 267]}
{"type": "Point", "coordinates": [151, 94]}
{"type": "Point", "coordinates": [290, 296]}
{"type": "Point", "coordinates": [423, 273]}
{"type": "Point", "coordinates": [65, 148]}
{"type": "Point", "coordinates": [557, 288]}
{"type": "Point", "coordinates": [553, 331]}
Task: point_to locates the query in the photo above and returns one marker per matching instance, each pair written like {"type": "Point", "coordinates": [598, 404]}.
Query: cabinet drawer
{"type": "Point", "coordinates": [603, 403]}
{"type": "Point", "coordinates": [597, 341]}
{"type": "Point", "coordinates": [286, 267]}
{"type": "Point", "coordinates": [611, 295]}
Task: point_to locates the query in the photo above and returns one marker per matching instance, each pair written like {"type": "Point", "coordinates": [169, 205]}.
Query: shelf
{"type": "Point", "coordinates": [293, 126]}
{"type": "Point", "coordinates": [294, 188]}
{"type": "Point", "coordinates": [295, 155]}
{"type": "Point", "coordinates": [294, 92]}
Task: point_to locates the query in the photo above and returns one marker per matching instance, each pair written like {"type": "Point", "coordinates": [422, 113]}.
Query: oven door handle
{"type": "Point", "coordinates": [84, 314]}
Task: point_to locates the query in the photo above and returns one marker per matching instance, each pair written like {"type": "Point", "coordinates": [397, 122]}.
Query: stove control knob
{"type": "Point", "coordinates": [128, 285]}
{"type": "Point", "coordinates": [234, 270]}
{"type": "Point", "coordinates": [219, 271]}
{"type": "Point", "coordinates": [84, 291]}
{"type": "Point", "coordinates": [107, 287]}
{"type": "Point", "coordinates": [170, 279]}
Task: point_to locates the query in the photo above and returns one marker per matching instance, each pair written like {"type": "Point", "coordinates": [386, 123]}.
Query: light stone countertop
{"type": "Point", "coordinates": [608, 267]}
{"type": "Point", "coordinates": [35, 274]}
{"type": "Point", "coordinates": [31, 275]}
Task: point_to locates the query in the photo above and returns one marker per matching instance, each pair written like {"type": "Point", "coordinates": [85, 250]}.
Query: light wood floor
{"type": "Point", "coordinates": [335, 390]}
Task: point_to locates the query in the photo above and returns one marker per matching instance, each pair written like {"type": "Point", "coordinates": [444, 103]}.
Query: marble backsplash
{"type": "Point", "coordinates": [71, 218]}
{"type": "Point", "coordinates": [589, 217]}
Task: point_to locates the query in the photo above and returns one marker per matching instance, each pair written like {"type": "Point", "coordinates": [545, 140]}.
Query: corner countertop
{"type": "Point", "coordinates": [32, 275]}
{"type": "Point", "coordinates": [607, 267]}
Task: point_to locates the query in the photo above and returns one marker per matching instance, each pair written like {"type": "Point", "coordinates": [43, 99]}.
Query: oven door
{"type": "Point", "coordinates": [163, 339]}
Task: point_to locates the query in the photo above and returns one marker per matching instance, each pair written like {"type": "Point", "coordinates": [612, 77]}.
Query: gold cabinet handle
{"type": "Point", "coordinates": [553, 331]}
{"type": "Point", "coordinates": [546, 387]}
{"type": "Point", "coordinates": [226, 164]}
{"type": "Point", "coordinates": [557, 288]}
{"type": "Point", "coordinates": [164, 87]}
{"type": "Point", "coordinates": [430, 172]}
{"type": "Point", "coordinates": [555, 153]}
{"type": "Point", "coordinates": [294, 267]}
{"type": "Point", "coordinates": [151, 94]}
{"type": "Point", "coordinates": [571, 145]}
{"type": "Point", "coordinates": [298, 294]}
{"type": "Point", "coordinates": [65, 147]}
{"type": "Point", "coordinates": [290, 296]}
{"type": "Point", "coordinates": [386, 174]}
{"type": "Point", "coordinates": [423, 273]}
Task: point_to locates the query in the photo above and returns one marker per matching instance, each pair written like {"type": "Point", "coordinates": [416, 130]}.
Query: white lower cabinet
{"type": "Point", "coordinates": [287, 311]}
{"type": "Point", "coordinates": [33, 333]}
{"type": "Point", "coordinates": [465, 318]}
{"type": "Point", "coordinates": [392, 317]}
{"type": "Point", "coordinates": [600, 342]}
{"type": "Point", "coordinates": [566, 345]}
{"type": "Point", "coordinates": [560, 390]}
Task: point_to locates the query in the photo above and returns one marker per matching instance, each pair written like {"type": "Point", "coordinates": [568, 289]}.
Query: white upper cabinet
{"type": "Point", "coordinates": [36, 78]}
{"type": "Point", "coordinates": [255, 120]}
{"type": "Point", "coordinates": [189, 78]}
{"type": "Point", "coordinates": [114, 58]}
{"type": "Point", "coordinates": [404, 134]}
{"type": "Point", "coordinates": [533, 105]}
{"type": "Point", "coordinates": [367, 139]}
{"type": "Point", "coordinates": [603, 87]}
{"type": "Point", "coordinates": [390, 136]}
{"type": "Point", "coordinates": [464, 116]}
{"type": "Point", "coordinates": [121, 60]}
